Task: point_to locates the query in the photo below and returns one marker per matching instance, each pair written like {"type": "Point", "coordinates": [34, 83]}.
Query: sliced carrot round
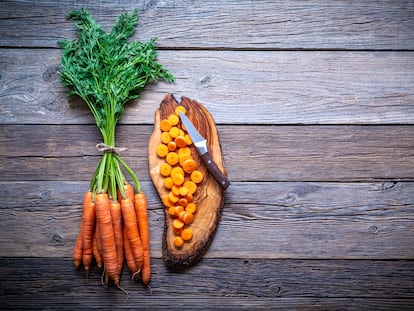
{"type": "Point", "coordinates": [178, 241]}
{"type": "Point", "coordinates": [171, 210]}
{"type": "Point", "coordinates": [171, 145]}
{"type": "Point", "coordinates": [166, 201]}
{"type": "Point", "coordinates": [178, 209]}
{"type": "Point", "coordinates": [171, 157]}
{"type": "Point", "coordinates": [187, 234]}
{"type": "Point", "coordinates": [178, 224]}
{"type": "Point", "coordinates": [189, 165]}
{"type": "Point", "coordinates": [197, 176]}
{"type": "Point", "coordinates": [183, 201]}
{"type": "Point", "coordinates": [188, 139]}
{"type": "Point", "coordinates": [185, 150]}
{"type": "Point", "coordinates": [187, 218]}
{"type": "Point", "coordinates": [165, 125]}
{"type": "Point", "coordinates": [162, 151]}
{"type": "Point", "coordinates": [178, 180]}
{"type": "Point", "coordinates": [177, 170]}
{"type": "Point", "coordinates": [189, 197]}
{"type": "Point", "coordinates": [165, 169]}
{"type": "Point", "coordinates": [168, 183]}
{"type": "Point", "coordinates": [183, 157]}
{"type": "Point", "coordinates": [183, 192]}
{"type": "Point", "coordinates": [174, 120]}
{"type": "Point", "coordinates": [180, 108]}
{"type": "Point", "coordinates": [174, 132]}
{"type": "Point", "coordinates": [166, 137]}
{"type": "Point", "coordinates": [191, 208]}
{"type": "Point", "coordinates": [180, 141]}
{"type": "Point", "coordinates": [191, 186]}
{"type": "Point", "coordinates": [173, 198]}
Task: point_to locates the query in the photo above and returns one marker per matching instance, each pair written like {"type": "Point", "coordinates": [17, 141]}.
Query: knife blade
{"type": "Point", "coordinates": [201, 145]}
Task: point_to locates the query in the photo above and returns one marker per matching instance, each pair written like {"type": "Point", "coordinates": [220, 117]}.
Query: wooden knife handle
{"type": "Point", "coordinates": [215, 171]}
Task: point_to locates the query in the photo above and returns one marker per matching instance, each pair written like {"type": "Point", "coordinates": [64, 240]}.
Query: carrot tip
{"type": "Point", "coordinates": [135, 274]}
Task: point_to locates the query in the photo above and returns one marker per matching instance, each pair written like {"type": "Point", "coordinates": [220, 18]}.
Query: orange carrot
{"type": "Point", "coordinates": [187, 234]}
{"type": "Point", "coordinates": [129, 256]}
{"type": "Point", "coordinates": [142, 214]}
{"type": "Point", "coordinates": [106, 234]}
{"type": "Point", "coordinates": [77, 252]}
{"type": "Point", "coordinates": [95, 250]}
{"type": "Point", "coordinates": [178, 241]}
{"type": "Point", "coordinates": [116, 215]}
{"type": "Point", "coordinates": [130, 222]}
{"type": "Point", "coordinates": [88, 223]}
{"type": "Point", "coordinates": [129, 190]}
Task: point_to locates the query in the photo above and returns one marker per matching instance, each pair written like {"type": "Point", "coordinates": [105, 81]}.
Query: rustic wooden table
{"type": "Point", "coordinates": [314, 104]}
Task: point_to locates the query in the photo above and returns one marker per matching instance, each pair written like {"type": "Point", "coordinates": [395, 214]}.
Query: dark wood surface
{"type": "Point", "coordinates": [314, 105]}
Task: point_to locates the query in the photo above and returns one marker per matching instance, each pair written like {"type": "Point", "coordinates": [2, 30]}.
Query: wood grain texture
{"type": "Point", "coordinates": [314, 102]}
{"type": "Point", "coordinates": [294, 220]}
{"type": "Point", "coordinates": [251, 153]}
{"type": "Point", "coordinates": [290, 87]}
{"type": "Point", "coordinates": [224, 24]}
{"type": "Point", "coordinates": [250, 284]}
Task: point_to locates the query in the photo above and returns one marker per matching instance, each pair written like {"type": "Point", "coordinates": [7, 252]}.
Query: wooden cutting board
{"type": "Point", "coordinates": [209, 196]}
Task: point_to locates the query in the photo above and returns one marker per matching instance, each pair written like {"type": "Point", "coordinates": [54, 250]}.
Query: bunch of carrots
{"type": "Point", "coordinates": [111, 231]}
{"type": "Point", "coordinates": [106, 71]}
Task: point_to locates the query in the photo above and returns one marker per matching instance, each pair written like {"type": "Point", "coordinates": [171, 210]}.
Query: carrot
{"type": "Point", "coordinates": [165, 125]}
{"type": "Point", "coordinates": [189, 165]}
{"type": "Point", "coordinates": [178, 180]}
{"type": "Point", "coordinates": [107, 238]}
{"type": "Point", "coordinates": [171, 145]}
{"type": "Point", "coordinates": [197, 176]}
{"type": "Point", "coordinates": [178, 109]}
{"type": "Point", "coordinates": [116, 215]}
{"type": "Point", "coordinates": [188, 139]}
{"type": "Point", "coordinates": [178, 241]}
{"type": "Point", "coordinates": [183, 157]}
{"type": "Point", "coordinates": [129, 190]}
{"type": "Point", "coordinates": [172, 158]}
{"type": "Point", "coordinates": [186, 234]}
{"type": "Point", "coordinates": [174, 132]}
{"type": "Point", "coordinates": [166, 137]}
{"type": "Point", "coordinates": [178, 224]}
{"type": "Point", "coordinates": [180, 141]}
{"type": "Point", "coordinates": [130, 222]}
{"type": "Point", "coordinates": [162, 151]}
{"type": "Point", "coordinates": [191, 208]}
{"type": "Point", "coordinates": [165, 169]}
{"type": "Point", "coordinates": [142, 213]}
{"type": "Point", "coordinates": [129, 256]}
{"type": "Point", "coordinates": [191, 186]}
{"type": "Point", "coordinates": [95, 250]}
{"type": "Point", "coordinates": [88, 222]}
{"type": "Point", "coordinates": [77, 251]}
{"type": "Point", "coordinates": [173, 118]}
{"type": "Point", "coordinates": [168, 183]}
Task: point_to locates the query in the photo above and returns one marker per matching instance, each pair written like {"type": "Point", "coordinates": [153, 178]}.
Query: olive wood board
{"type": "Point", "coordinates": [209, 196]}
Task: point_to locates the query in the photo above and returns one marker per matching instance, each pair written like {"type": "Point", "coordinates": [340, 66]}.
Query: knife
{"type": "Point", "coordinates": [201, 144]}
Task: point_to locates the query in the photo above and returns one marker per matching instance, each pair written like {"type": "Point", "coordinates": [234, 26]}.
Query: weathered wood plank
{"type": "Point", "coordinates": [240, 24]}
{"type": "Point", "coordinates": [242, 87]}
{"type": "Point", "coordinates": [251, 153]}
{"type": "Point", "coordinates": [293, 220]}
{"type": "Point", "coordinates": [280, 284]}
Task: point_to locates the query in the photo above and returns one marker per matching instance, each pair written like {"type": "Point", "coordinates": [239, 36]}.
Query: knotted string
{"type": "Point", "coordinates": [105, 148]}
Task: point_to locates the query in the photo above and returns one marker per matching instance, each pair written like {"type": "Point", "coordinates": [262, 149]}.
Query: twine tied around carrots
{"type": "Point", "coordinates": [102, 147]}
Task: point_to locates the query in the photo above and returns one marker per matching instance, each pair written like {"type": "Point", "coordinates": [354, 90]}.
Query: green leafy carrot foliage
{"type": "Point", "coordinates": [107, 71]}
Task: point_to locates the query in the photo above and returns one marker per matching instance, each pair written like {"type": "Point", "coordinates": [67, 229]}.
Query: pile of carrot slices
{"type": "Point", "coordinates": [181, 175]}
